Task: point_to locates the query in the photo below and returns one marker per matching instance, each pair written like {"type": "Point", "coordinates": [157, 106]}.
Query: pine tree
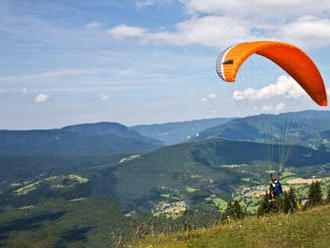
{"type": "Point", "coordinates": [311, 194]}
{"type": "Point", "coordinates": [286, 205]}
{"type": "Point", "coordinates": [314, 194]}
{"type": "Point", "coordinates": [293, 200]}
{"type": "Point", "coordinates": [265, 205]}
{"type": "Point", "coordinates": [238, 211]}
{"type": "Point", "coordinates": [234, 211]}
{"type": "Point", "coordinates": [229, 212]}
{"type": "Point", "coordinates": [318, 192]}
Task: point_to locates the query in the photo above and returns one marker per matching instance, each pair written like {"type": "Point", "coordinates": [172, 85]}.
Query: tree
{"type": "Point", "coordinates": [229, 212]}
{"type": "Point", "coordinates": [234, 211]}
{"type": "Point", "coordinates": [292, 199]}
{"type": "Point", "coordinates": [239, 214]}
{"type": "Point", "coordinates": [328, 193]}
{"type": "Point", "coordinates": [286, 204]}
{"type": "Point", "coordinates": [265, 205]}
{"type": "Point", "coordinates": [314, 194]}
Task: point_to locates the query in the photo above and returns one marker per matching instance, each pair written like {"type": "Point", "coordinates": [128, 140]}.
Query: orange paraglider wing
{"type": "Point", "coordinates": [290, 58]}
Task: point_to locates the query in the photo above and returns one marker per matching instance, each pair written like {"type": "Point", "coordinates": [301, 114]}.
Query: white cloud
{"type": "Point", "coordinates": [24, 91]}
{"type": "Point", "coordinates": [124, 31]}
{"type": "Point", "coordinates": [280, 106]}
{"type": "Point", "coordinates": [308, 31]}
{"type": "Point", "coordinates": [212, 23]}
{"type": "Point", "coordinates": [223, 31]}
{"type": "Point", "coordinates": [266, 108]}
{"type": "Point", "coordinates": [212, 96]}
{"type": "Point", "coordinates": [93, 25]}
{"type": "Point", "coordinates": [104, 96]}
{"type": "Point", "coordinates": [41, 98]}
{"type": "Point", "coordinates": [203, 99]}
{"type": "Point", "coordinates": [270, 107]}
{"type": "Point", "coordinates": [285, 86]}
{"type": "Point", "coordinates": [256, 7]}
{"type": "Point", "coordinates": [207, 31]}
{"type": "Point", "coordinates": [276, 20]}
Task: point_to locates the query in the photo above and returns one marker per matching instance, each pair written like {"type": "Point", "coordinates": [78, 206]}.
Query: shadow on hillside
{"type": "Point", "coordinates": [79, 234]}
{"type": "Point", "coordinates": [27, 224]}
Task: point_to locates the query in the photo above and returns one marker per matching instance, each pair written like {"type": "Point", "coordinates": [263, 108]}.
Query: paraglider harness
{"type": "Point", "coordinates": [275, 188]}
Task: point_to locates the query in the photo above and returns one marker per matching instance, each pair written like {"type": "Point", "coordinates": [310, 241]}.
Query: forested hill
{"type": "Point", "coordinates": [144, 179]}
{"type": "Point", "coordinates": [306, 128]}
{"type": "Point", "coordinates": [25, 154]}
{"type": "Point", "coordinates": [79, 140]}
{"type": "Point", "coordinates": [177, 132]}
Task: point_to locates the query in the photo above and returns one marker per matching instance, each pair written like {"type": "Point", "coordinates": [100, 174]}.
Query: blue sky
{"type": "Point", "coordinates": [148, 61]}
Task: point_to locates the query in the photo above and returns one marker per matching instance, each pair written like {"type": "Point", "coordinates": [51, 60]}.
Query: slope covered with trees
{"type": "Point", "coordinates": [307, 128]}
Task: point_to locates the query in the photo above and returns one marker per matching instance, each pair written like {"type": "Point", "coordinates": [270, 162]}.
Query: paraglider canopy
{"type": "Point", "coordinates": [289, 57]}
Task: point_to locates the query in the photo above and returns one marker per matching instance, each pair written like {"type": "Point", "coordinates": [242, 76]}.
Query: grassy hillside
{"type": "Point", "coordinates": [302, 229]}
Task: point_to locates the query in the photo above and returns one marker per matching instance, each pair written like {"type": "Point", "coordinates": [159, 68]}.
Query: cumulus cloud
{"type": "Point", "coordinates": [285, 86]}
{"type": "Point", "coordinates": [308, 31]}
{"type": "Point", "coordinates": [211, 23]}
{"type": "Point", "coordinates": [256, 7]}
{"type": "Point", "coordinates": [207, 31]}
{"type": "Point", "coordinates": [41, 98]}
{"type": "Point", "coordinates": [124, 31]}
{"type": "Point", "coordinates": [276, 20]}
{"type": "Point", "coordinates": [280, 106]}
{"type": "Point", "coordinates": [203, 99]}
{"type": "Point", "coordinates": [271, 108]}
{"type": "Point", "coordinates": [266, 108]}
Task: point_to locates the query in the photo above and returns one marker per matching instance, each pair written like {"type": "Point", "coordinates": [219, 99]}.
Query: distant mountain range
{"type": "Point", "coordinates": [307, 128]}
{"type": "Point", "coordinates": [97, 139]}
{"type": "Point", "coordinates": [177, 132]}
{"type": "Point", "coordinates": [31, 152]}
{"type": "Point", "coordinates": [25, 154]}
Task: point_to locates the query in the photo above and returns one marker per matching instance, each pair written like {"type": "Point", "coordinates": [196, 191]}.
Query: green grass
{"type": "Point", "coordinates": [302, 229]}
